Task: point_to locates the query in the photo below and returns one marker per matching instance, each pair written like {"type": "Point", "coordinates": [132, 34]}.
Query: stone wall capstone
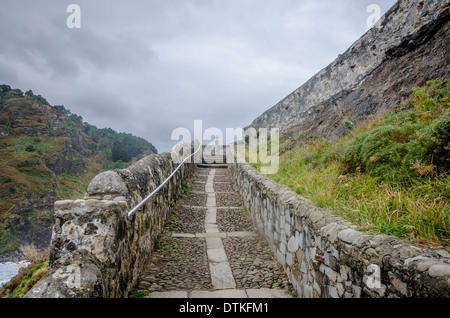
{"type": "Point", "coordinates": [97, 250]}
{"type": "Point", "coordinates": [326, 256]}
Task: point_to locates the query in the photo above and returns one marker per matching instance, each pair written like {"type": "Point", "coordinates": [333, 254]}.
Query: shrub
{"type": "Point", "coordinates": [137, 293]}
{"type": "Point", "coordinates": [120, 165]}
{"type": "Point", "coordinates": [398, 146]}
{"type": "Point", "coordinates": [8, 180]}
{"type": "Point", "coordinates": [30, 149]}
{"type": "Point", "coordinates": [349, 125]}
{"type": "Point", "coordinates": [383, 152]}
{"type": "Point", "coordinates": [436, 142]}
{"type": "Point", "coordinates": [434, 97]}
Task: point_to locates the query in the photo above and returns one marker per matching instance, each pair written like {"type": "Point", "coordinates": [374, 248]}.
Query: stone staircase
{"type": "Point", "coordinates": [210, 248]}
{"type": "Point", "coordinates": [214, 156]}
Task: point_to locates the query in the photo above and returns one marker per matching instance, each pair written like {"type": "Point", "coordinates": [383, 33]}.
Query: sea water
{"type": "Point", "coordinates": [10, 269]}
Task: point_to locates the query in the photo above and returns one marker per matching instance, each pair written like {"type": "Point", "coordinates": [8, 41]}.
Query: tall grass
{"type": "Point", "coordinates": [388, 176]}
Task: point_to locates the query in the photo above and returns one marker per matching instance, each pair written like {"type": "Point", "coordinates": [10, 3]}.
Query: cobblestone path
{"type": "Point", "coordinates": [210, 248]}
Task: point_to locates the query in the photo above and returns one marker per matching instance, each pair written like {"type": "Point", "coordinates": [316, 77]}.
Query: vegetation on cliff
{"type": "Point", "coordinates": [390, 175]}
{"type": "Point", "coordinates": [28, 276]}
{"type": "Point", "coordinates": [46, 154]}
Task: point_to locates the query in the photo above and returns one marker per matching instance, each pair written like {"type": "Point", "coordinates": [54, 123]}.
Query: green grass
{"type": "Point", "coordinates": [173, 216]}
{"type": "Point", "coordinates": [138, 293]}
{"type": "Point", "coordinates": [27, 277]}
{"type": "Point", "coordinates": [389, 176]}
{"type": "Point", "coordinates": [186, 189]}
{"type": "Point", "coordinates": [9, 240]}
{"type": "Point", "coordinates": [244, 210]}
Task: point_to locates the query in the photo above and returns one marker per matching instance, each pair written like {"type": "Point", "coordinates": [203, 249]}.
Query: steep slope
{"type": "Point", "coordinates": [46, 154]}
{"type": "Point", "coordinates": [407, 47]}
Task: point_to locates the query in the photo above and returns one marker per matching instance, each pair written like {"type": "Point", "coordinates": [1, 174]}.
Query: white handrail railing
{"type": "Point", "coordinates": [137, 207]}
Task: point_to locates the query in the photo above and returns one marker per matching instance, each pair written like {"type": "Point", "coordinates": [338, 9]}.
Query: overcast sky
{"type": "Point", "coordinates": [148, 67]}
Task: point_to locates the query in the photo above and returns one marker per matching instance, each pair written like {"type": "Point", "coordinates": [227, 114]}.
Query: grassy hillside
{"type": "Point", "coordinates": [46, 154]}
{"type": "Point", "coordinates": [389, 175]}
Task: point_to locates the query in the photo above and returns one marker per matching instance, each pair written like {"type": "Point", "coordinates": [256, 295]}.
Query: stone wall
{"type": "Point", "coordinates": [97, 250]}
{"type": "Point", "coordinates": [325, 256]}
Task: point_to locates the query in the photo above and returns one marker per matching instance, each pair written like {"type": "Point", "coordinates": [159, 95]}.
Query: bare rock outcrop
{"type": "Point", "coordinates": [409, 45]}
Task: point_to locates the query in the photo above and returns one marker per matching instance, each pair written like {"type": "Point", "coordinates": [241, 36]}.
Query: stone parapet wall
{"type": "Point", "coordinates": [326, 256]}
{"type": "Point", "coordinates": [97, 250]}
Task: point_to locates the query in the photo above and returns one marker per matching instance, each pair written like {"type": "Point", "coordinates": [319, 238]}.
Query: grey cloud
{"type": "Point", "coordinates": [51, 47]}
{"type": "Point", "coordinates": [150, 66]}
{"type": "Point", "coordinates": [7, 73]}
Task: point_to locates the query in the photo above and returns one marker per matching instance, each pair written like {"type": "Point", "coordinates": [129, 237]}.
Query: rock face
{"type": "Point", "coordinates": [409, 45]}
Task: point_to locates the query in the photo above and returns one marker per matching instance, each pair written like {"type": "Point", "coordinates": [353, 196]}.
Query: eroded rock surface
{"type": "Point", "coordinates": [407, 47]}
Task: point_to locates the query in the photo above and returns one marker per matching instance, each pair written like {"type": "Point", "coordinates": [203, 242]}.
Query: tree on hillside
{"type": "Point", "coordinates": [5, 88]}
{"type": "Point", "coordinates": [62, 109]}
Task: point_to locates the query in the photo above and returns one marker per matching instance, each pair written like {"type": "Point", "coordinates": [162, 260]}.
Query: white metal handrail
{"type": "Point", "coordinates": [137, 207]}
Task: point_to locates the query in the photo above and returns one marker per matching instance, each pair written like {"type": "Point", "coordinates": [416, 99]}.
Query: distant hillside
{"type": "Point", "coordinates": [46, 154]}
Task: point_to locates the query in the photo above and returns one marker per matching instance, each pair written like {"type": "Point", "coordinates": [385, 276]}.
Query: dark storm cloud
{"type": "Point", "coordinates": [150, 66]}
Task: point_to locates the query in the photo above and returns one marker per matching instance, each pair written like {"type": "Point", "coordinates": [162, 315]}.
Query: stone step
{"type": "Point", "coordinates": [216, 235]}
{"type": "Point", "coordinates": [212, 257]}
{"type": "Point", "coordinates": [213, 165]}
{"type": "Point", "coordinates": [262, 293]}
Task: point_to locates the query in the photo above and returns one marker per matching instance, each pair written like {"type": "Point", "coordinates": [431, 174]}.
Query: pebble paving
{"type": "Point", "coordinates": [210, 248]}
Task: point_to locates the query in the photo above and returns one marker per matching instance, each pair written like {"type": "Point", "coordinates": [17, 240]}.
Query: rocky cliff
{"type": "Point", "coordinates": [46, 154]}
{"type": "Point", "coordinates": [409, 45]}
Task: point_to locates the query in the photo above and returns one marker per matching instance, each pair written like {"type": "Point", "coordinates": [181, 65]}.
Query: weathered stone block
{"type": "Point", "coordinates": [292, 245]}
{"type": "Point", "coordinates": [108, 182]}
{"type": "Point", "coordinates": [349, 235]}
{"type": "Point", "coordinates": [289, 259]}
{"type": "Point", "coordinates": [398, 284]}
{"type": "Point", "coordinates": [438, 270]}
